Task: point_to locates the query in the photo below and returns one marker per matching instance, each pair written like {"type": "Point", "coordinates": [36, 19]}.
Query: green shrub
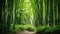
{"type": "Point", "coordinates": [48, 30]}
{"type": "Point", "coordinates": [30, 28]}
{"type": "Point", "coordinates": [22, 28]}
{"type": "Point", "coordinates": [17, 28]}
{"type": "Point", "coordinates": [40, 28]}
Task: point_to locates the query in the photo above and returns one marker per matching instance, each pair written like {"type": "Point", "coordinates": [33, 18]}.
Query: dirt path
{"type": "Point", "coordinates": [26, 32]}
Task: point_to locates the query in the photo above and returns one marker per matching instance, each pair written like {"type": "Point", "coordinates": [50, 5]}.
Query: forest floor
{"type": "Point", "coordinates": [26, 32]}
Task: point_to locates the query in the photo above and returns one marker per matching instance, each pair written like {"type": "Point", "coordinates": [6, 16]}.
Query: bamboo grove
{"type": "Point", "coordinates": [34, 12]}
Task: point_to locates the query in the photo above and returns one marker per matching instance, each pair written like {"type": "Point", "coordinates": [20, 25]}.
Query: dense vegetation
{"type": "Point", "coordinates": [40, 16]}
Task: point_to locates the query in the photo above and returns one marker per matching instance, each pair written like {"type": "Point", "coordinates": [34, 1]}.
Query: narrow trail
{"type": "Point", "coordinates": [26, 32]}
